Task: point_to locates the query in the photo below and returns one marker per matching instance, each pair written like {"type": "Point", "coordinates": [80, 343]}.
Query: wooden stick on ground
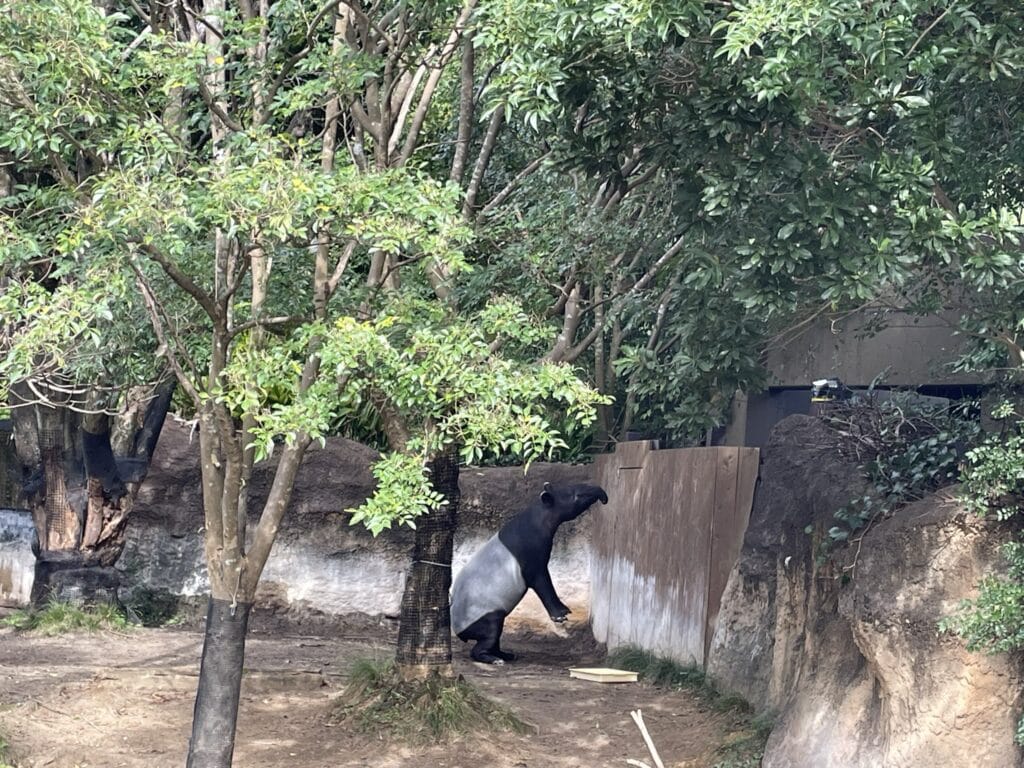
{"type": "Point", "coordinates": [638, 718]}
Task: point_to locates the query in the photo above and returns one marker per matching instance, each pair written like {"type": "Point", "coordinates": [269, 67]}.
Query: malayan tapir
{"type": "Point", "coordinates": [513, 560]}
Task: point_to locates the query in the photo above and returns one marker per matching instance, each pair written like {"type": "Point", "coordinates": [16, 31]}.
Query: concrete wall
{"type": "Point", "coordinates": [16, 559]}
{"type": "Point", "coordinates": [915, 350]}
{"type": "Point", "coordinates": [320, 565]}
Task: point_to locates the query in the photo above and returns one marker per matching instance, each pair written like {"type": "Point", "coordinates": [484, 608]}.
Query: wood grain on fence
{"type": "Point", "coordinates": [664, 545]}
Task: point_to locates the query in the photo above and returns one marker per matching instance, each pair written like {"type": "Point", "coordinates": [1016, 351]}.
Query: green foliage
{"type": "Point", "coordinates": [994, 622]}
{"type": "Point", "coordinates": [378, 702]}
{"type": "Point", "coordinates": [552, 49]}
{"type": "Point", "coordinates": [993, 481]}
{"type": "Point", "coordinates": [403, 493]}
{"type": "Point", "coordinates": [59, 618]}
{"type": "Point", "coordinates": [893, 105]}
{"type": "Point", "coordinates": [907, 446]}
{"type": "Point", "coordinates": [993, 484]}
{"type": "Point", "coordinates": [414, 366]}
{"type": "Point", "coordinates": [4, 757]}
{"type": "Point", "coordinates": [446, 379]}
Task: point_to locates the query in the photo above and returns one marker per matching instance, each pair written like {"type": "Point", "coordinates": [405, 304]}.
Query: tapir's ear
{"type": "Point", "coordinates": [546, 496]}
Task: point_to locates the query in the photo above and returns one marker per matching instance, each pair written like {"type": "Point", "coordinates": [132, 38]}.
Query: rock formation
{"type": "Point", "coordinates": [845, 651]}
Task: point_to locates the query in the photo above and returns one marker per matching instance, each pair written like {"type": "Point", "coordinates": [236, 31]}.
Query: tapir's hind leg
{"type": "Point", "coordinates": [487, 632]}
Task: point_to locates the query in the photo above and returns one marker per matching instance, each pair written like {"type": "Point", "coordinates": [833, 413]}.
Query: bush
{"type": "Point", "coordinates": [994, 622]}
{"type": "Point", "coordinates": [907, 447]}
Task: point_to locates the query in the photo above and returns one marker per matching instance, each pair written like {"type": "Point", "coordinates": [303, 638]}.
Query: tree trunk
{"type": "Point", "coordinates": [424, 630]}
{"type": "Point", "coordinates": [234, 573]}
{"type": "Point", "coordinates": [81, 494]}
{"type": "Point", "coordinates": [220, 684]}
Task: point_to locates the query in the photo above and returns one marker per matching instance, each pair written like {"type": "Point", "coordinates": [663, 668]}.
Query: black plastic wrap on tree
{"type": "Point", "coordinates": [220, 683]}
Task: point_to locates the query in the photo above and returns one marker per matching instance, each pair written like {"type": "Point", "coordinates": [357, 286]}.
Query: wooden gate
{"type": "Point", "coordinates": [665, 544]}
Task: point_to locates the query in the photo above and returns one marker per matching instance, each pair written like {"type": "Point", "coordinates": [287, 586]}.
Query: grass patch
{"type": "Point", "coordinates": [4, 746]}
{"type": "Point", "coordinates": [58, 618]}
{"type": "Point", "coordinates": [744, 748]}
{"type": "Point", "coordinates": [657, 670]}
{"type": "Point", "coordinates": [381, 704]}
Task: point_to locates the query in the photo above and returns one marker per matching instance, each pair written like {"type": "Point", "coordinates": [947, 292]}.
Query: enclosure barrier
{"type": "Point", "coordinates": [665, 544]}
{"type": "Point", "coordinates": [10, 473]}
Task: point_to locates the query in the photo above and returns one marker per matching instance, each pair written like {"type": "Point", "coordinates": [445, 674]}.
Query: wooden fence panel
{"type": "Point", "coordinates": [664, 545]}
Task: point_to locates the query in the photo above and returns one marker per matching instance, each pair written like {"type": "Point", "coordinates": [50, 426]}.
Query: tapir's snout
{"type": "Point", "coordinates": [602, 495]}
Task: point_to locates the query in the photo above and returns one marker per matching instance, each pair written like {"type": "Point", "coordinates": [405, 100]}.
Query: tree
{"type": "Point", "coordinates": [86, 414]}
{"type": "Point", "coordinates": [730, 174]}
{"type": "Point", "coordinates": [268, 272]}
{"type": "Point", "coordinates": [912, 116]}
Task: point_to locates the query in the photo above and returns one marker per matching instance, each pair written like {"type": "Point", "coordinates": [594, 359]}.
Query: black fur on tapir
{"type": "Point", "coordinates": [513, 560]}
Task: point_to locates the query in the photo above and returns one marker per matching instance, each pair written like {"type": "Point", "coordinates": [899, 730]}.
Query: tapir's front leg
{"type": "Point", "coordinates": [545, 590]}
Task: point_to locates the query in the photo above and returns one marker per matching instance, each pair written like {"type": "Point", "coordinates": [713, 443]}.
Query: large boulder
{"type": "Point", "coordinates": [844, 651]}
{"type": "Point", "coordinates": [321, 567]}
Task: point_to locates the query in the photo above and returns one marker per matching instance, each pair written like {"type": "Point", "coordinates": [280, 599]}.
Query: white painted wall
{"type": "Point", "coordinates": [17, 564]}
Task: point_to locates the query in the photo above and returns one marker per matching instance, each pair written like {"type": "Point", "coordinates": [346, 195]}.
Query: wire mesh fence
{"type": "Point", "coordinates": [10, 471]}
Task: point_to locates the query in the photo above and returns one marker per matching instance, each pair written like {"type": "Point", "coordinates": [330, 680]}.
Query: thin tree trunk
{"type": "Point", "coordinates": [424, 633]}
{"type": "Point", "coordinates": [234, 575]}
{"type": "Point", "coordinates": [220, 684]}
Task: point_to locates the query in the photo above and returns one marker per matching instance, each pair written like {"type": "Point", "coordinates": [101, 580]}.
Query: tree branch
{"type": "Point", "coordinates": [213, 106]}
{"type": "Point", "coordinates": [465, 129]}
{"type": "Point", "coordinates": [183, 281]}
{"type": "Point", "coordinates": [482, 161]}
{"type": "Point", "coordinates": [513, 185]}
{"type": "Point", "coordinates": [444, 56]}
{"type": "Point", "coordinates": [158, 329]}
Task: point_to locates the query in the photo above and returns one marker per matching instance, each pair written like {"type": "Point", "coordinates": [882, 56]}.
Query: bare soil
{"type": "Point", "coordinates": [113, 699]}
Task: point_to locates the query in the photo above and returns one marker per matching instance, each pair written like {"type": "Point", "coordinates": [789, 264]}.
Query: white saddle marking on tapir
{"type": "Point", "coordinates": [492, 580]}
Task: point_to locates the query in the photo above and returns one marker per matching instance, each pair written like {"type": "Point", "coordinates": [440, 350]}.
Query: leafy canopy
{"type": "Point", "coordinates": [138, 214]}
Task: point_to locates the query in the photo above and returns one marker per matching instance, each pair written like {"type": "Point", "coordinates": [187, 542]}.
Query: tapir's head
{"type": "Point", "coordinates": [567, 502]}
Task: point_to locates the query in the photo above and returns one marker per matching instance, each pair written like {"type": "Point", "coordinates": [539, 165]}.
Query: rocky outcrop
{"type": "Point", "coordinates": [845, 651]}
{"type": "Point", "coordinates": [321, 567]}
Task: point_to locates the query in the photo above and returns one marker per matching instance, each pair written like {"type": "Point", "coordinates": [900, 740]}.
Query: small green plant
{"type": "Point", "coordinates": [658, 670]}
{"type": "Point", "coordinates": [60, 617]}
{"type": "Point", "coordinates": [4, 746]}
{"type": "Point", "coordinates": [380, 703]}
{"type": "Point", "coordinates": [745, 747]}
{"type": "Point", "coordinates": [994, 477]}
{"type": "Point", "coordinates": [994, 622]}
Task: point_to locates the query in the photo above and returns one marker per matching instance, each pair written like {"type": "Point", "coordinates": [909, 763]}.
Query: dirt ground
{"type": "Point", "coordinates": [115, 699]}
